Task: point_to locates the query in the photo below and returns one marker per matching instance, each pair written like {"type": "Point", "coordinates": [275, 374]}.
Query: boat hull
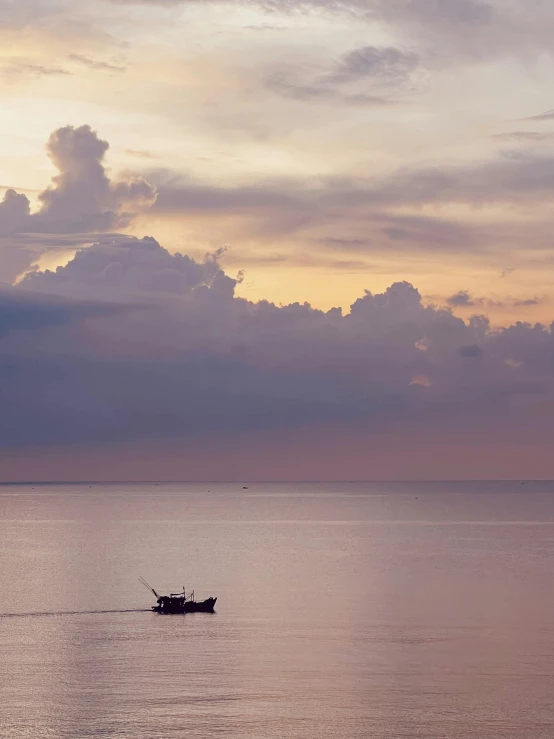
{"type": "Point", "coordinates": [179, 606]}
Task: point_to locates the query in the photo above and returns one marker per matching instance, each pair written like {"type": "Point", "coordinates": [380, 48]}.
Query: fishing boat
{"type": "Point", "coordinates": [179, 602]}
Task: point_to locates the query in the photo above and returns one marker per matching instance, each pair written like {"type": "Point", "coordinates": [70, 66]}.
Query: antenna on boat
{"type": "Point", "coordinates": [146, 585]}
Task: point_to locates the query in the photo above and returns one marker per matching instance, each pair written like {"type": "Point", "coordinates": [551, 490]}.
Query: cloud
{"type": "Point", "coordinates": [28, 311]}
{"type": "Point", "coordinates": [506, 178]}
{"type": "Point", "coordinates": [523, 136]}
{"type": "Point", "coordinates": [366, 76]}
{"type": "Point", "coordinates": [140, 153]}
{"type": "Point", "coordinates": [168, 3]}
{"type": "Point", "coordinates": [287, 88]}
{"type": "Point", "coordinates": [18, 68]}
{"type": "Point", "coordinates": [470, 352]}
{"type": "Point", "coordinates": [385, 64]}
{"type": "Point", "coordinates": [451, 31]}
{"type": "Point", "coordinates": [411, 209]}
{"type": "Point", "coordinates": [96, 64]}
{"type": "Point", "coordinates": [352, 215]}
{"type": "Point", "coordinates": [527, 302]}
{"type": "Point", "coordinates": [132, 266]}
{"type": "Point", "coordinates": [14, 212]}
{"type": "Point", "coordinates": [200, 360]}
{"type": "Point", "coordinates": [546, 116]}
{"type": "Point", "coordinates": [461, 298]}
{"type": "Point", "coordinates": [82, 197]}
{"type": "Point", "coordinates": [82, 202]}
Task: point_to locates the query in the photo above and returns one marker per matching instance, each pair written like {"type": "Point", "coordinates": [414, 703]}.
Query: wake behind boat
{"type": "Point", "coordinates": [179, 602]}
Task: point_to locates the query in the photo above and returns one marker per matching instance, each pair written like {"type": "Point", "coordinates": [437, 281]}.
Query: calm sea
{"type": "Point", "coordinates": [344, 610]}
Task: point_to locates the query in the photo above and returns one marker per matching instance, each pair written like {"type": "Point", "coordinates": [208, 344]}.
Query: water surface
{"type": "Point", "coordinates": [344, 610]}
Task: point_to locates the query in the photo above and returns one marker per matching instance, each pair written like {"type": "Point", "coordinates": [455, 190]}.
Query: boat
{"type": "Point", "coordinates": [179, 602]}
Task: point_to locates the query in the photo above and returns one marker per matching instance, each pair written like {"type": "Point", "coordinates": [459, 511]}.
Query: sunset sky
{"type": "Point", "coordinates": [276, 240]}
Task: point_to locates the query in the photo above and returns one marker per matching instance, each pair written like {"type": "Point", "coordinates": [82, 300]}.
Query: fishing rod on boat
{"type": "Point", "coordinates": [146, 585]}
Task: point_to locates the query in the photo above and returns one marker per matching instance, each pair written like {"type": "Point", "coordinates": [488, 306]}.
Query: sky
{"type": "Point", "coordinates": [276, 240]}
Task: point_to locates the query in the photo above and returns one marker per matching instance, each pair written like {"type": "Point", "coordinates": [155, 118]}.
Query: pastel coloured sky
{"type": "Point", "coordinates": [276, 239]}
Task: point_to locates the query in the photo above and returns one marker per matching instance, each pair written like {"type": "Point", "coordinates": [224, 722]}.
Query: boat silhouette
{"type": "Point", "coordinates": [179, 602]}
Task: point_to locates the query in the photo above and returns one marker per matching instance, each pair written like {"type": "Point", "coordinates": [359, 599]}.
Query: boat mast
{"type": "Point", "coordinates": [146, 585]}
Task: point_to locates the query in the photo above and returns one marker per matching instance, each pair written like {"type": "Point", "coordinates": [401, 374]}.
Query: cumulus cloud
{"type": "Point", "coordinates": [82, 202]}
{"type": "Point", "coordinates": [471, 352]}
{"type": "Point", "coordinates": [201, 360]}
{"type": "Point", "coordinates": [133, 266]}
{"type": "Point", "coordinates": [14, 212]}
{"type": "Point", "coordinates": [21, 311]}
{"type": "Point", "coordinates": [362, 214]}
{"type": "Point", "coordinates": [82, 197]}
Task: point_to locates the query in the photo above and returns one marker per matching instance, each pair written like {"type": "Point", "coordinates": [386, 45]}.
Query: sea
{"type": "Point", "coordinates": [344, 610]}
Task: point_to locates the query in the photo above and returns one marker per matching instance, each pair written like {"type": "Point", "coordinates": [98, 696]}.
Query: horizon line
{"type": "Point", "coordinates": [254, 482]}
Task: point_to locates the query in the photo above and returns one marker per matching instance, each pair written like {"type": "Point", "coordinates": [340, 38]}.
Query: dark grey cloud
{"type": "Point", "coordinates": [178, 194]}
{"type": "Point", "coordinates": [385, 64]}
{"type": "Point", "coordinates": [461, 298]}
{"type": "Point", "coordinates": [527, 302]}
{"type": "Point", "coordinates": [366, 76]}
{"type": "Point", "coordinates": [201, 360]}
{"type": "Point", "coordinates": [511, 177]}
{"type": "Point", "coordinates": [471, 352]}
{"type": "Point", "coordinates": [29, 311]}
{"type": "Point", "coordinates": [322, 90]}
{"type": "Point", "coordinates": [363, 214]}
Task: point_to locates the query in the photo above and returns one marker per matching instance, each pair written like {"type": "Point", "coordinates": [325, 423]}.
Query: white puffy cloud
{"type": "Point", "coordinates": [132, 266]}
{"type": "Point", "coordinates": [82, 201]}
{"type": "Point", "coordinates": [82, 197]}
{"type": "Point", "coordinates": [14, 212]}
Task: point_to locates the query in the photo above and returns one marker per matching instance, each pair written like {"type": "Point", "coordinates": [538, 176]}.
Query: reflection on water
{"type": "Point", "coordinates": [355, 610]}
